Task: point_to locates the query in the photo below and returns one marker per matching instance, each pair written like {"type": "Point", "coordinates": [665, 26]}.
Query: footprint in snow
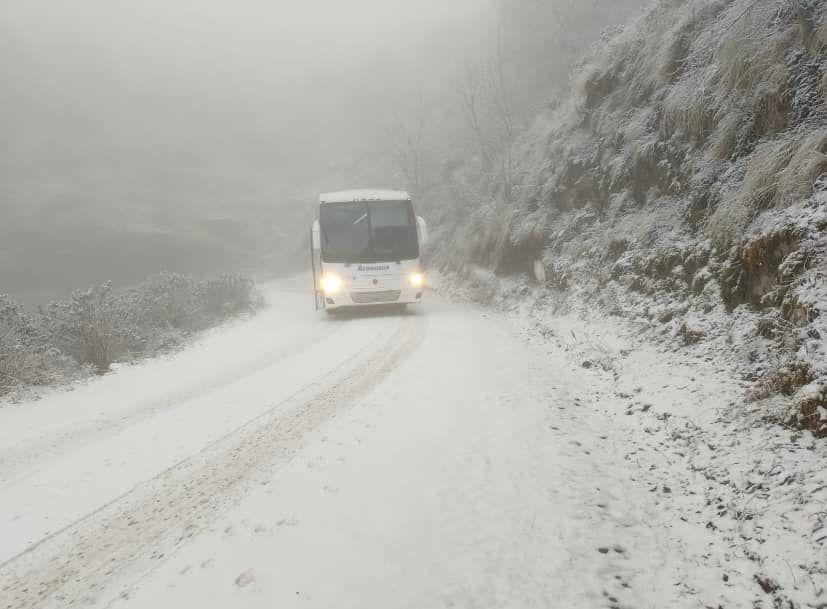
{"type": "Point", "coordinates": [245, 579]}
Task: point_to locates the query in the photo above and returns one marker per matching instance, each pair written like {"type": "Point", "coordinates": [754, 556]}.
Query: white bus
{"type": "Point", "coordinates": [365, 250]}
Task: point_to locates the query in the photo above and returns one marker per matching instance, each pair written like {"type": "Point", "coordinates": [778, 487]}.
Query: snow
{"type": "Point", "coordinates": [760, 488]}
{"type": "Point", "coordinates": [451, 457]}
{"type": "Point", "coordinates": [364, 194]}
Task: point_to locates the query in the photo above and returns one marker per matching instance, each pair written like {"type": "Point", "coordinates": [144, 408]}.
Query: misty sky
{"type": "Point", "coordinates": [254, 42]}
{"type": "Point", "coordinates": [102, 94]}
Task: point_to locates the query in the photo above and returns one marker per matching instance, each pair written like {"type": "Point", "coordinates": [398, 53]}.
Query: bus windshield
{"type": "Point", "coordinates": [373, 231]}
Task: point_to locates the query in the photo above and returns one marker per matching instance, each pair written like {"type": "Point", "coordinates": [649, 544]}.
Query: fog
{"type": "Point", "coordinates": [133, 97]}
{"type": "Point", "coordinates": [195, 136]}
{"type": "Point", "coordinates": [161, 114]}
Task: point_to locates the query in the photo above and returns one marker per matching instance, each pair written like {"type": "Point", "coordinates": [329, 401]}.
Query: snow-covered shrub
{"type": "Point", "coordinates": [227, 295]}
{"type": "Point", "coordinates": [26, 356]}
{"type": "Point", "coordinates": [811, 407]}
{"type": "Point", "coordinates": [690, 334]}
{"type": "Point", "coordinates": [170, 303]}
{"type": "Point", "coordinates": [18, 357]}
{"type": "Point", "coordinates": [98, 326]}
{"type": "Point", "coordinates": [90, 326]}
{"type": "Point", "coordinates": [166, 300]}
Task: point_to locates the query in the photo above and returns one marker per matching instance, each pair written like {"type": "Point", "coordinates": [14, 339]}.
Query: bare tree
{"type": "Point", "coordinates": [505, 117]}
{"type": "Point", "coordinates": [486, 105]}
{"type": "Point", "coordinates": [471, 90]}
{"type": "Point", "coordinates": [567, 31]}
{"type": "Point", "coordinates": [406, 142]}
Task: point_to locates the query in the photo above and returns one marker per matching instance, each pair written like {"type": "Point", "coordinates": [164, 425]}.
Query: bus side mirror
{"type": "Point", "coordinates": [315, 236]}
{"type": "Point", "coordinates": [422, 229]}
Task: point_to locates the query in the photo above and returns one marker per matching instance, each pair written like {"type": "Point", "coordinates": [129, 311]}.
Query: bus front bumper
{"type": "Point", "coordinates": [367, 298]}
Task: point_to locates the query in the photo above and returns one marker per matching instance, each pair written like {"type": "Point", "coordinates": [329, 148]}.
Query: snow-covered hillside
{"type": "Point", "coordinates": [683, 185]}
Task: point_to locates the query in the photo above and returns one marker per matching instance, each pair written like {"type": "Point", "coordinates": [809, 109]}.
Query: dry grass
{"type": "Point", "coordinates": [724, 142]}
{"type": "Point", "coordinates": [820, 34]}
{"type": "Point", "coordinates": [807, 163]}
{"type": "Point", "coordinates": [759, 187]}
{"type": "Point", "coordinates": [778, 173]}
{"type": "Point", "coordinates": [719, 75]}
{"type": "Point", "coordinates": [747, 47]}
{"type": "Point", "coordinates": [742, 78]}
{"type": "Point", "coordinates": [771, 102]}
{"type": "Point", "coordinates": [631, 67]}
{"type": "Point", "coordinates": [689, 107]}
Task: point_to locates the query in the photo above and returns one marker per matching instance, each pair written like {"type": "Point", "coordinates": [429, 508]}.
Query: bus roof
{"type": "Point", "coordinates": [352, 196]}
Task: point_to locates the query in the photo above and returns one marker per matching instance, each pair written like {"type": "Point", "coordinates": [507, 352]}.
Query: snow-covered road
{"type": "Point", "coordinates": [425, 460]}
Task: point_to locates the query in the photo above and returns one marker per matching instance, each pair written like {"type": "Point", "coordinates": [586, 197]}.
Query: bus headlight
{"type": "Point", "coordinates": [416, 279]}
{"type": "Point", "coordinates": [331, 284]}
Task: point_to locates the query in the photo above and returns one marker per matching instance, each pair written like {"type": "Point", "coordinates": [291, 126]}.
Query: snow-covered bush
{"type": "Point", "coordinates": [90, 326]}
{"type": "Point", "coordinates": [166, 299]}
{"type": "Point", "coordinates": [227, 295]}
{"type": "Point", "coordinates": [811, 407]}
{"type": "Point", "coordinates": [170, 303]}
{"type": "Point", "coordinates": [17, 332]}
{"type": "Point", "coordinates": [96, 327]}
{"type": "Point", "coordinates": [26, 356]}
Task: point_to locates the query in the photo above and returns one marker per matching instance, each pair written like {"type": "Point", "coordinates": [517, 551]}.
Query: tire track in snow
{"type": "Point", "coordinates": [17, 463]}
{"type": "Point", "coordinates": [135, 531]}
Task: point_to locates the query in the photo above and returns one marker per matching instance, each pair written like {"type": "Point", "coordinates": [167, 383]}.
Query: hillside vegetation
{"type": "Point", "coordinates": [681, 183]}
{"type": "Point", "coordinates": [93, 329]}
